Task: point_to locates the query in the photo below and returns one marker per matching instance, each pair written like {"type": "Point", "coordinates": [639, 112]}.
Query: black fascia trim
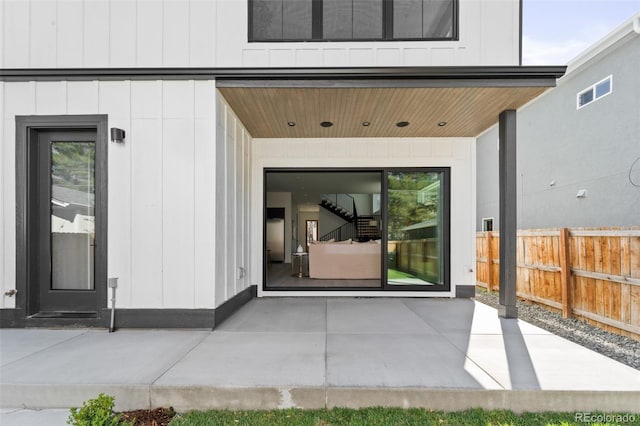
{"type": "Point", "coordinates": [385, 83]}
{"type": "Point", "coordinates": [335, 73]}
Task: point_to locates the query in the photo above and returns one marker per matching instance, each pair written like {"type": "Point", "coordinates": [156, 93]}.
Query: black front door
{"type": "Point", "coordinates": [63, 205]}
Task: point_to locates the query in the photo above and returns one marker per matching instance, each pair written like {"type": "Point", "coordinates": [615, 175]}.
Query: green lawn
{"type": "Point", "coordinates": [392, 274]}
{"type": "Point", "coordinates": [386, 417]}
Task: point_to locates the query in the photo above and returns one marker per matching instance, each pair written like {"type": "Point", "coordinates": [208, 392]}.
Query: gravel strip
{"type": "Point", "coordinates": [620, 348]}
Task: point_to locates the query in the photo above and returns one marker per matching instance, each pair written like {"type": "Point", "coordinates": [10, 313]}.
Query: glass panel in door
{"type": "Point", "coordinates": [72, 215]}
{"type": "Point", "coordinates": [415, 228]}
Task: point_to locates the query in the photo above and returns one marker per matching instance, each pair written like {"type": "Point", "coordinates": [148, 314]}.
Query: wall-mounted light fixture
{"type": "Point", "coordinates": [117, 135]}
{"type": "Point", "coordinates": [582, 193]}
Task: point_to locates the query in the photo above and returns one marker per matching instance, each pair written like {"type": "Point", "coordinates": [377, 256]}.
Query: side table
{"type": "Point", "coordinates": [300, 270]}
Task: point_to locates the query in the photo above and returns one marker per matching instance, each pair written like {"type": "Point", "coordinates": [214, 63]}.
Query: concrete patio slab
{"type": "Point", "coordinates": [279, 315]}
{"type": "Point", "coordinates": [96, 357]}
{"type": "Point", "coordinates": [28, 417]}
{"type": "Point", "coordinates": [373, 316]}
{"type": "Point", "coordinates": [17, 344]}
{"type": "Point", "coordinates": [383, 360]}
{"type": "Point", "coordinates": [530, 362]}
{"type": "Point", "coordinates": [319, 352]}
{"type": "Point", "coordinates": [249, 359]}
{"type": "Point", "coordinates": [468, 317]}
{"type": "Point", "coordinates": [558, 361]}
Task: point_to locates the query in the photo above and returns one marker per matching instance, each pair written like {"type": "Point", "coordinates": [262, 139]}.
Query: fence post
{"type": "Point", "coordinates": [489, 261]}
{"type": "Point", "coordinates": [565, 273]}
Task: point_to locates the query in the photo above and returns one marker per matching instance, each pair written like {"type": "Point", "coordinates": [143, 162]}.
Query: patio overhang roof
{"type": "Point", "coordinates": [431, 112]}
{"type": "Point", "coordinates": [436, 102]}
{"type": "Point", "coordinates": [467, 99]}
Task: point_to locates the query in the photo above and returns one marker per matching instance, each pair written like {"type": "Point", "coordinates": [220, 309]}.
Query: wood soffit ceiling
{"type": "Point", "coordinates": [467, 111]}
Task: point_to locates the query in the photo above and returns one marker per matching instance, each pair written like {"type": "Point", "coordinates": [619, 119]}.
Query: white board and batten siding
{"type": "Point", "coordinates": [233, 171]}
{"type": "Point", "coordinates": [456, 153]}
{"type": "Point", "coordinates": [162, 205]}
{"type": "Point", "coordinates": [214, 33]}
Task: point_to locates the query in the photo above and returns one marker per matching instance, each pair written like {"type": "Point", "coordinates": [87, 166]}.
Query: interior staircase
{"type": "Point", "coordinates": [342, 205]}
{"type": "Point", "coordinates": [358, 228]}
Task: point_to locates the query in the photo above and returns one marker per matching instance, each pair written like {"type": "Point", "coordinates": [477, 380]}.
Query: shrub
{"type": "Point", "coordinates": [95, 412]}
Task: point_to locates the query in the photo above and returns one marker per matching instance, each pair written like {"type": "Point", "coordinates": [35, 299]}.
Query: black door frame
{"type": "Point", "coordinates": [384, 285]}
{"type": "Point", "coordinates": [27, 131]}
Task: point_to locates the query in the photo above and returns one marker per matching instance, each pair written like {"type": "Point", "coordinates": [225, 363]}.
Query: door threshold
{"type": "Point", "coordinates": [65, 314]}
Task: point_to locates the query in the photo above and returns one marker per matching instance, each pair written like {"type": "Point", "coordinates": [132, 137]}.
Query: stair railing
{"type": "Point", "coordinates": [344, 232]}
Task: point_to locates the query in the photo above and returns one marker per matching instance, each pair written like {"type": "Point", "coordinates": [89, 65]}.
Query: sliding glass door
{"type": "Point", "coordinates": [358, 229]}
{"type": "Point", "coordinates": [417, 229]}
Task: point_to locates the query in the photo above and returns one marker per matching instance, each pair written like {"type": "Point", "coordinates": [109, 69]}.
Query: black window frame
{"type": "Point", "coordinates": [384, 286]}
{"type": "Point", "coordinates": [387, 27]}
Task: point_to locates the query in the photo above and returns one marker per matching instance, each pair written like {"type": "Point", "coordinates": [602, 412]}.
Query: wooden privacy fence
{"type": "Point", "coordinates": [592, 274]}
{"type": "Point", "coordinates": [416, 257]}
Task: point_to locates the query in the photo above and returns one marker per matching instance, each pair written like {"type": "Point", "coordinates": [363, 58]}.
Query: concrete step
{"type": "Point", "coordinates": [185, 398]}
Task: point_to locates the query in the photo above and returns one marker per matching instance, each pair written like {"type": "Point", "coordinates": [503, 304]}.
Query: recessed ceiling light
{"type": "Point", "coordinates": [365, 123]}
{"type": "Point", "coordinates": [326, 124]}
{"type": "Point", "coordinates": [402, 123]}
{"type": "Point", "coordinates": [291, 123]}
{"type": "Point", "coordinates": [442, 123]}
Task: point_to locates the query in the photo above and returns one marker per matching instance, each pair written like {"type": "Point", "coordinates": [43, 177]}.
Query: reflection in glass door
{"type": "Point", "coordinates": [63, 221]}
{"type": "Point", "coordinates": [72, 215]}
{"type": "Point", "coordinates": [416, 229]}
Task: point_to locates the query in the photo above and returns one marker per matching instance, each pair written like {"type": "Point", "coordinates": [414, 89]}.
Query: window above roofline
{"type": "Point", "coordinates": [594, 92]}
{"type": "Point", "coordinates": [323, 24]}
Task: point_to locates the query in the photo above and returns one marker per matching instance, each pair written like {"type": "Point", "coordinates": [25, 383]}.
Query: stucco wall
{"type": "Point", "coordinates": [214, 33]}
{"type": "Point", "coordinates": [487, 178]}
{"type": "Point", "coordinates": [592, 148]}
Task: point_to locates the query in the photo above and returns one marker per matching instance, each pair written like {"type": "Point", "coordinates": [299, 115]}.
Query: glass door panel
{"type": "Point", "coordinates": [72, 215]}
{"type": "Point", "coordinates": [415, 228]}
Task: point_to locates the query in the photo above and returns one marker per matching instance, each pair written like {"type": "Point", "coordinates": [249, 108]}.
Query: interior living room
{"type": "Point", "coordinates": [326, 229]}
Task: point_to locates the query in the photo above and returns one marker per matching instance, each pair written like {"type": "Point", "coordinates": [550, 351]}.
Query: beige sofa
{"type": "Point", "coordinates": [344, 260]}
